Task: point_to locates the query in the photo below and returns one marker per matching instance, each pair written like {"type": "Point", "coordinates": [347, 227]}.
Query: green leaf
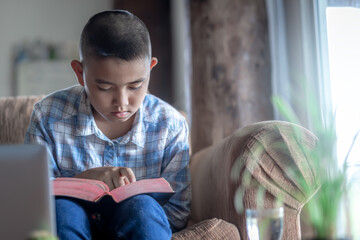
{"type": "Point", "coordinates": [285, 110]}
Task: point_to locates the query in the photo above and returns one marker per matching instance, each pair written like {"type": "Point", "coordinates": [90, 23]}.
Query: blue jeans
{"type": "Point", "coordinates": [139, 217]}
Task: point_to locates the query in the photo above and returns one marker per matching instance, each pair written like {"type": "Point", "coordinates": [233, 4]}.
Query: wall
{"type": "Point", "coordinates": [49, 20]}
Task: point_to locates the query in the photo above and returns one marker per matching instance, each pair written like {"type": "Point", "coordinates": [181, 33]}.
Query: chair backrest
{"type": "Point", "coordinates": [281, 169]}
{"type": "Point", "coordinates": [15, 115]}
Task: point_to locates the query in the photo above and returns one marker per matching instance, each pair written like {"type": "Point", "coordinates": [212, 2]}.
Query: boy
{"type": "Point", "coordinates": [108, 128]}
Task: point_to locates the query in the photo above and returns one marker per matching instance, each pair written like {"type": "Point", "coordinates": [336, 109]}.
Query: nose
{"type": "Point", "coordinates": [121, 99]}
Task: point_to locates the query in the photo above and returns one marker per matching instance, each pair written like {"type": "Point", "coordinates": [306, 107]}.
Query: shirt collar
{"type": "Point", "coordinates": [86, 123]}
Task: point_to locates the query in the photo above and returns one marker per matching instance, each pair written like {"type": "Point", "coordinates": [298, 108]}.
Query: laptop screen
{"type": "Point", "coordinates": [26, 204]}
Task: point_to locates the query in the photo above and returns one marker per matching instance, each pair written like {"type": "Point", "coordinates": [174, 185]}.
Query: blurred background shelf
{"type": "Point", "coordinates": [43, 76]}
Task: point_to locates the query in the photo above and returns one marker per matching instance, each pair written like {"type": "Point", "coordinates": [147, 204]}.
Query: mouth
{"type": "Point", "coordinates": [122, 114]}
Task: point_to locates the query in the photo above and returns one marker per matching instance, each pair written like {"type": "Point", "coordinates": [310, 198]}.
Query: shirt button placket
{"type": "Point", "coordinates": [109, 154]}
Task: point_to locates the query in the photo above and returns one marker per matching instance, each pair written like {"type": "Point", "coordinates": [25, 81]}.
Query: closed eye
{"type": "Point", "coordinates": [103, 85]}
{"type": "Point", "coordinates": [135, 87]}
{"type": "Point", "coordinates": [104, 88]}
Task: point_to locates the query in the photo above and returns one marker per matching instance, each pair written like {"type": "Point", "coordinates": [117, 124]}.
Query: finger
{"type": "Point", "coordinates": [116, 182]}
{"type": "Point", "coordinates": [127, 172]}
{"type": "Point", "coordinates": [117, 179]}
{"type": "Point", "coordinates": [126, 180]}
{"type": "Point", "coordinates": [109, 182]}
{"type": "Point", "coordinates": [122, 181]}
{"type": "Point", "coordinates": [112, 177]}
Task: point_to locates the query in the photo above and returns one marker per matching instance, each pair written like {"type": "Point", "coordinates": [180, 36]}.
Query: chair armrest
{"type": "Point", "coordinates": [15, 115]}
{"type": "Point", "coordinates": [213, 191]}
{"type": "Point", "coordinates": [211, 229]}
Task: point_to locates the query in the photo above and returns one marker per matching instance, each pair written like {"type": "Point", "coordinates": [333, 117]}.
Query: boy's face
{"type": "Point", "coordinates": [116, 88]}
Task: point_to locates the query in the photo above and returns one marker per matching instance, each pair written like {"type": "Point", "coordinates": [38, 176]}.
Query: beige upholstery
{"type": "Point", "coordinates": [208, 229]}
{"type": "Point", "coordinates": [213, 190]}
{"type": "Point", "coordinates": [15, 115]}
{"type": "Point", "coordinates": [213, 215]}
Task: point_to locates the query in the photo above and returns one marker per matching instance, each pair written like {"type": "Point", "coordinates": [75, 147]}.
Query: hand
{"type": "Point", "coordinates": [113, 176]}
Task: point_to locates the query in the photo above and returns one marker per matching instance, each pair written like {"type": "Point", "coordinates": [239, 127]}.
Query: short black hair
{"type": "Point", "coordinates": [115, 33]}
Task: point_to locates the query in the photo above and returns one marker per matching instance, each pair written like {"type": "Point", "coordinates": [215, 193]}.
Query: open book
{"type": "Point", "coordinates": [94, 190]}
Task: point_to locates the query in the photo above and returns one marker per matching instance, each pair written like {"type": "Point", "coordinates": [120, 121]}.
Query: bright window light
{"type": "Point", "coordinates": [343, 27]}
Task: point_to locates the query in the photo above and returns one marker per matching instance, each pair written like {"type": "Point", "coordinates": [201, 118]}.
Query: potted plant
{"type": "Point", "coordinates": [325, 208]}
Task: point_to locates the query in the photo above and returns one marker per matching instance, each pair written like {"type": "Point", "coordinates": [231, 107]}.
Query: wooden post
{"type": "Point", "coordinates": [231, 82]}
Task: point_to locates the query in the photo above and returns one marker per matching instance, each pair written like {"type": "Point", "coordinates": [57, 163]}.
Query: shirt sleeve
{"type": "Point", "coordinates": [37, 134]}
{"type": "Point", "coordinates": [175, 169]}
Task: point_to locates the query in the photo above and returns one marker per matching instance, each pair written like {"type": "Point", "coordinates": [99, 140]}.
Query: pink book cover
{"type": "Point", "coordinates": [94, 190]}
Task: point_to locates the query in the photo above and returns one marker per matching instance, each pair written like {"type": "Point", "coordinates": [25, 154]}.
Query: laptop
{"type": "Point", "coordinates": [26, 202]}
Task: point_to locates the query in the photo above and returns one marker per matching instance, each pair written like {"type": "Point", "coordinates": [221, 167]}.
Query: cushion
{"type": "Point", "coordinates": [15, 117]}
{"type": "Point", "coordinates": [211, 229]}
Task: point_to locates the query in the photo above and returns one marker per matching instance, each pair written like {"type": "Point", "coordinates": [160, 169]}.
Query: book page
{"type": "Point", "coordinates": [86, 189]}
{"type": "Point", "coordinates": [157, 185]}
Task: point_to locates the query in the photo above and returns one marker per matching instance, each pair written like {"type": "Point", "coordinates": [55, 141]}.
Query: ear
{"type": "Point", "coordinates": [153, 62]}
{"type": "Point", "coordinates": [77, 67]}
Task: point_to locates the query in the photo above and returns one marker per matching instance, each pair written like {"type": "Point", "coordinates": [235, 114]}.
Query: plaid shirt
{"type": "Point", "coordinates": [156, 146]}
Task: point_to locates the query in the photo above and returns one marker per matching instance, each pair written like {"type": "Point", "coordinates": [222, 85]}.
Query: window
{"type": "Point", "coordinates": [342, 23]}
{"type": "Point", "coordinates": [344, 66]}
{"type": "Point", "coordinates": [318, 43]}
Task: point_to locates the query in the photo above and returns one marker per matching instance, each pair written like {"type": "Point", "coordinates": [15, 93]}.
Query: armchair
{"type": "Point", "coordinates": [213, 215]}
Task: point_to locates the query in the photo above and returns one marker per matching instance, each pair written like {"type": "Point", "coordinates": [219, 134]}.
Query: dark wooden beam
{"type": "Point", "coordinates": [231, 81]}
{"type": "Point", "coordinates": [156, 16]}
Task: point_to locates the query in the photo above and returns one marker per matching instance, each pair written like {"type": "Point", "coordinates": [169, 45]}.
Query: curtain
{"type": "Point", "coordinates": [299, 56]}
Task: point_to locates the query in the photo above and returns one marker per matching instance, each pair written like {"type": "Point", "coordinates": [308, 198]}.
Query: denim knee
{"type": "Point", "coordinates": [72, 220]}
{"type": "Point", "coordinates": [143, 204]}
{"type": "Point", "coordinates": [142, 218]}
